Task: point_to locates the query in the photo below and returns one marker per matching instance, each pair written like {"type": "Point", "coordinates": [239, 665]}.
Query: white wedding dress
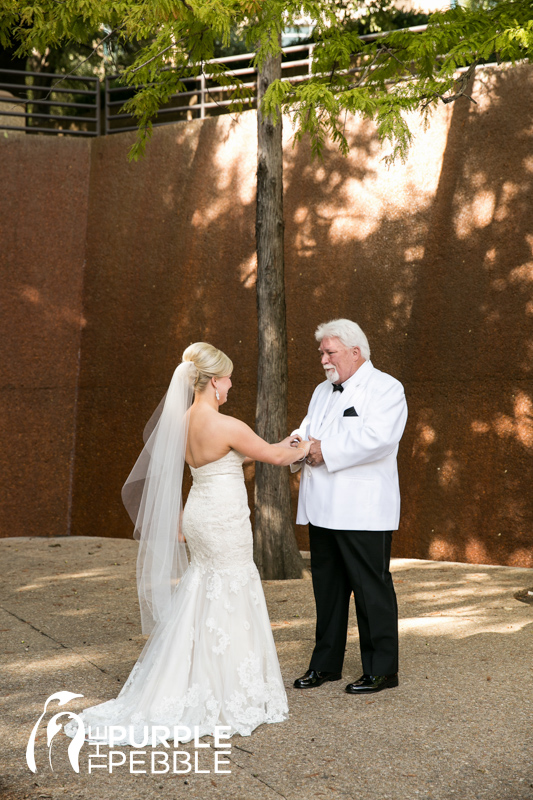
{"type": "Point", "coordinates": [213, 662]}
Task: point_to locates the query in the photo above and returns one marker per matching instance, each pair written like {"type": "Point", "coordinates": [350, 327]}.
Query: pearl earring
{"type": "Point", "coordinates": [217, 394]}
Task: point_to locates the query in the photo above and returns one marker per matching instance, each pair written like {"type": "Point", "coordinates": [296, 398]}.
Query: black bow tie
{"type": "Point", "coordinates": [338, 387]}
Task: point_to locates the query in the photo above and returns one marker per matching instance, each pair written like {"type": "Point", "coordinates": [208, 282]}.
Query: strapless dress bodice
{"type": "Point", "coordinates": [216, 518]}
{"type": "Point", "coordinates": [230, 464]}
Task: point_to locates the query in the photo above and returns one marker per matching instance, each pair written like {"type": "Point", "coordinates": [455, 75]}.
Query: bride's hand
{"type": "Point", "coordinates": [288, 441]}
{"type": "Point", "coordinates": [303, 449]}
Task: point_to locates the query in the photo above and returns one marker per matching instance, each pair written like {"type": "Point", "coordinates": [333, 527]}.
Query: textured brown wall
{"type": "Point", "coordinates": [43, 218]}
{"type": "Point", "coordinates": [167, 238]}
{"type": "Point", "coordinates": [432, 258]}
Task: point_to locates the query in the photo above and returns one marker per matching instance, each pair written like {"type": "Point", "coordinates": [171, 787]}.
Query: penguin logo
{"type": "Point", "coordinates": [54, 727]}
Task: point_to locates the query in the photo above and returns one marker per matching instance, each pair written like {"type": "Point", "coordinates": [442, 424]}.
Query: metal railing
{"type": "Point", "coordinates": [203, 96]}
{"type": "Point", "coordinates": [44, 102]}
{"type": "Point", "coordinates": [56, 104]}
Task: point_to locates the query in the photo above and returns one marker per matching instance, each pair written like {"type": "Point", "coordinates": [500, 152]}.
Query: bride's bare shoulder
{"type": "Point", "coordinates": [200, 413]}
{"type": "Point", "coordinates": [232, 423]}
{"type": "Point", "coordinates": [207, 421]}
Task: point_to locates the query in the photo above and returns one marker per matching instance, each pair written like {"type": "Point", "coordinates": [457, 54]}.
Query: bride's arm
{"type": "Point", "coordinates": [288, 441]}
{"type": "Point", "coordinates": [241, 437]}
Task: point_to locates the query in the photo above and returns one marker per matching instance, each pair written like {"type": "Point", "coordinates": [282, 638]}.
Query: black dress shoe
{"type": "Point", "coordinates": [372, 683]}
{"type": "Point", "coordinates": [314, 678]}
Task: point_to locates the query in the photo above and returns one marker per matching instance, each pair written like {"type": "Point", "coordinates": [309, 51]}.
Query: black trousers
{"type": "Point", "coordinates": [343, 562]}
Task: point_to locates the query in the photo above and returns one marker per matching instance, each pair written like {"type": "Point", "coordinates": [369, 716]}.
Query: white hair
{"type": "Point", "coordinates": [348, 332]}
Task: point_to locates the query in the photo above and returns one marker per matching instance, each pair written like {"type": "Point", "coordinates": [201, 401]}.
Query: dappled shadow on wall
{"type": "Point", "coordinates": [434, 260]}
{"type": "Point", "coordinates": [466, 462]}
{"type": "Point", "coordinates": [354, 238]}
{"type": "Point", "coordinates": [168, 238]}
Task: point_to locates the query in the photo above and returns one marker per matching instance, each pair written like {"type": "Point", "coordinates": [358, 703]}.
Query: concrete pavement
{"type": "Point", "coordinates": [457, 728]}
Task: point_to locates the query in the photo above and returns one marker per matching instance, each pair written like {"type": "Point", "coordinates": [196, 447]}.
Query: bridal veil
{"type": "Point", "coordinates": [153, 498]}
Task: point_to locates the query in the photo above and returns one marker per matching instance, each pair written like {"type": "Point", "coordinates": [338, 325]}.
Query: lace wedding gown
{"type": "Point", "coordinates": [214, 661]}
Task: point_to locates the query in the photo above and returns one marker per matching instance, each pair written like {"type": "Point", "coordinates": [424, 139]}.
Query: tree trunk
{"type": "Point", "coordinates": [275, 550]}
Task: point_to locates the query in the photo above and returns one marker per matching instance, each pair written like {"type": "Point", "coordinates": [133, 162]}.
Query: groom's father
{"type": "Point", "coordinates": [350, 497]}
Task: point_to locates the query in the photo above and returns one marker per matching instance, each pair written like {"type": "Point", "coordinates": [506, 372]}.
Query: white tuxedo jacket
{"type": "Point", "coordinates": [357, 486]}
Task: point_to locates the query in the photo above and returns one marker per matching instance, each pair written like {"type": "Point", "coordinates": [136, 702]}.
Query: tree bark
{"type": "Point", "coordinates": [275, 550]}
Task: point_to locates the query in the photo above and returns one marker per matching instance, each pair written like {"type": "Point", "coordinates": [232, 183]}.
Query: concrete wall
{"type": "Point", "coordinates": [432, 258]}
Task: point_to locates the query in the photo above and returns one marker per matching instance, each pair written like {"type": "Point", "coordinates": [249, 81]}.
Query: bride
{"type": "Point", "coordinates": [210, 659]}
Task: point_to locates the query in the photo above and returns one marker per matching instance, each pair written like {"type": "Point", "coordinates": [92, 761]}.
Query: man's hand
{"type": "Point", "coordinates": [314, 459]}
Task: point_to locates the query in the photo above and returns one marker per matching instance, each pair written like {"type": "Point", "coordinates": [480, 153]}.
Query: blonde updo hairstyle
{"type": "Point", "coordinates": [210, 362]}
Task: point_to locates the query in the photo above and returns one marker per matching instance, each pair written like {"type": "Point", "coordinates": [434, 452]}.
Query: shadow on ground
{"type": "Point", "coordinates": [458, 726]}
